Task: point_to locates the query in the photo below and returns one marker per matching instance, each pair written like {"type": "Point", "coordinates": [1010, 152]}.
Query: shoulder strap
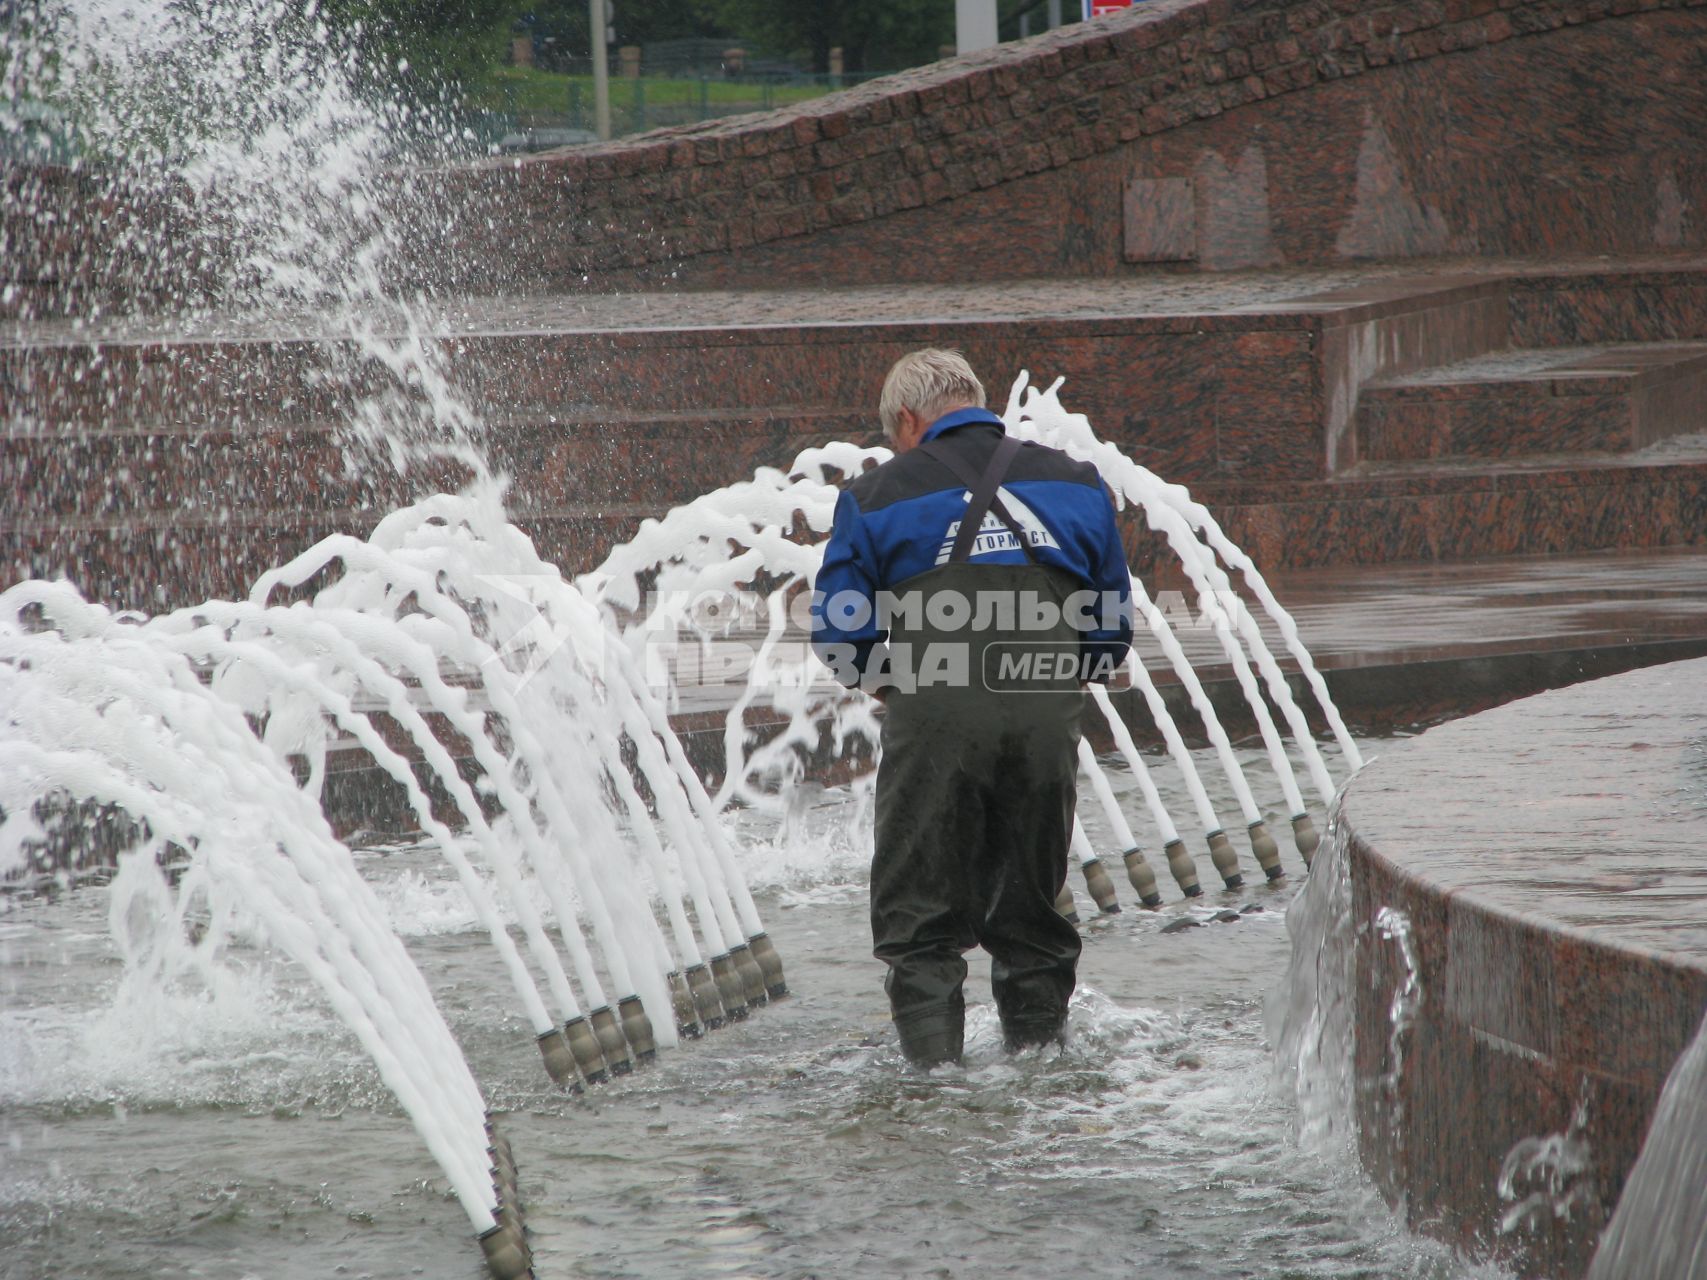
{"type": "Point", "coordinates": [984, 496]}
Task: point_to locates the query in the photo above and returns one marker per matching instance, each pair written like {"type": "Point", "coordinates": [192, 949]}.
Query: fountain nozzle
{"type": "Point", "coordinates": [681, 1004]}
{"type": "Point", "coordinates": [559, 1061]}
{"type": "Point", "coordinates": [1305, 836]}
{"type": "Point", "coordinates": [585, 1046]}
{"type": "Point", "coordinates": [1143, 878]}
{"type": "Point", "coordinates": [770, 964]}
{"type": "Point", "coordinates": [1065, 905]}
{"type": "Point", "coordinates": [611, 1042]}
{"type": "Point", "coordinates": [729, 987]}
{"type": "Point", "coordinates": [747, 969]}
{"type": "Point", "coordinates": [1101, 885]}
{"type": "Point", "coordinates": [1265, 850]}
{"type": "Point", "coordinates": [507, 1254]}
{"type": "Point", "coordinates": [1183, 868]}
{"type": "Point", "coordinates": [703, 987]}
{"type": "Point", "coordinates": [637, 1030]}
{"type": "Point", "coordinates": [1226, 861]}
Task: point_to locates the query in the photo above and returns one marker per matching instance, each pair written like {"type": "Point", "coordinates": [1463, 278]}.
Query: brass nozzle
{"type": "Point", "coordinates": [1305, 836]}
{"type": "Point", "coordinates": [747, 969]}
{"type": "Point", "coordinates": [585, 1046]}
{"type": "Point", "coordinates": [1065, 905]}
{"type": "Point", "coordinates": [682, 1006]}
{"type": "Point", "coordinates": [1143, 878]}
{"type": "Point", "coordinates": [729, 987]}
{"type": "Point", "coordinates": [1097, 880]}
{"type": "Point", "coordinates": [705, 997]}
{"type": "Point", "coordinates": [611, 1042]}
{"type": "Point", "coordinates": [559, 1062]}
{"type": "Point", "coordinates": [1183, 868]}
{"type": "Point", "coordinates": [1225, 860]}
{"type": "Point", "coordinates": [507, 1254]}
{"type": "Point", "coordinates": [637, 1029]}
{"type": "Point", "coordinates": [770, 964]}
{"type": "Point", "coordinates": [1265, 850]}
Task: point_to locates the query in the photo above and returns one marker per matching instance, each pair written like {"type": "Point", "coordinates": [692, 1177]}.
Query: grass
{"type": "Point", "coordinates": [531, 89]}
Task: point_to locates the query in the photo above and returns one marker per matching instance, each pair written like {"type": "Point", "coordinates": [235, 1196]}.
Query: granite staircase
{"type": "Point", "coordinates": [1327, 417]}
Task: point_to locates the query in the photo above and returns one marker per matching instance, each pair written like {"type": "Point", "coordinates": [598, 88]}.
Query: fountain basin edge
{"type": "Point", "coordinates": [1540, 856]}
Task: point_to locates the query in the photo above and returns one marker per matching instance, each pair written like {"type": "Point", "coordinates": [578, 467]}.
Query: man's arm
{"type": "Point", "coordinates": [844, 596]}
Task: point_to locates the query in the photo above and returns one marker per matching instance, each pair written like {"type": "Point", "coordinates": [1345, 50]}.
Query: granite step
{"type": "Point", "coordinates": [1465, 509]}
{"type": "Point", "coordinates": [1606, 398]}
{"type": "Point", "coordinates": [550, 456]}
{"type": "Point", "coordinates": [163, 560]}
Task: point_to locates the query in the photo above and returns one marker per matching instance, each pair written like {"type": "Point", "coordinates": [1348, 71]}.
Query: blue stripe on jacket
{"type": "Point", "coordinates": [881, 550]}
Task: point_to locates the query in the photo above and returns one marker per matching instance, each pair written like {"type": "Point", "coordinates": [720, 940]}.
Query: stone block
{"type": "Point", "coordinates": [1160, 219]}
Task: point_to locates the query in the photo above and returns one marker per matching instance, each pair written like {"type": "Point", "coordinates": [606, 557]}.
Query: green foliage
{"type": "Point", "coordinates": [872, 34]}
{"type": "Point", "coordinates": [446, 43]}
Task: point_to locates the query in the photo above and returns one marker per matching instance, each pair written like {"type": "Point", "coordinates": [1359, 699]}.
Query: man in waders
{"type": "Point", "coordinates": [974, 583]}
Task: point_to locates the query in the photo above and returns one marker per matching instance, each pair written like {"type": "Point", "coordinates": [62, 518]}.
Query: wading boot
{"type": "Point", "coordinates": [931, 1039]}
{"type": "Point", "coordinates": [1028, 1033]}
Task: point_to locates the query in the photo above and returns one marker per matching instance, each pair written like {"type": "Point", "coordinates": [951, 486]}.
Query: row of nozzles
{"type": "Point", "coordinates": [504, 1243]}
{"type": "Point", "coordinates": [593, 1047]}
{"type": "Point", "coordinates": [1179, 860]}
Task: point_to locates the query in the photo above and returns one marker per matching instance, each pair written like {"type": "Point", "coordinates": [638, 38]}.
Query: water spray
{"type": "Point", "coordinates": [1137, 869]}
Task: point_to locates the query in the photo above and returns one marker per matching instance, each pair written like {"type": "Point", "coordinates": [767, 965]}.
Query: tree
{"type": "Point", "coordinates": [872, 34]}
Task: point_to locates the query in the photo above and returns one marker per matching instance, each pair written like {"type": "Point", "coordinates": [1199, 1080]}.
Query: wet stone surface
{"type": "Point", "coordinates": [1583, 807]}
{"type": "Point", "coordinates": [1529, 895]}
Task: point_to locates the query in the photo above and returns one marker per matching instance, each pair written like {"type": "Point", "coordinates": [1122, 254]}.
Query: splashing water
{"type": "Point", "coordinates": [524, 719]}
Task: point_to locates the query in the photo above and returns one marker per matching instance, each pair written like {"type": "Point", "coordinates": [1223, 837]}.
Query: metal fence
{"type": "Point", "coordinates": [641, 103]}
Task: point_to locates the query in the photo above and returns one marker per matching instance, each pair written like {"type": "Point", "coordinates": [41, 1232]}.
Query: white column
{"type": "Point", "coordinates": [974, 25]}
{"type": "Point", "coordinates": [1054, 14]}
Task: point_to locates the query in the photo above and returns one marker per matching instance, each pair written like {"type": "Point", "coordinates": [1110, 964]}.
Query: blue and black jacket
{"type": "Point", "coordinates": [899, 521]}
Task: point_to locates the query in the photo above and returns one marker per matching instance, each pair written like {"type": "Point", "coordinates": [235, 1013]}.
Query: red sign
{"type": "Point", "coordinates": [1096, 8]}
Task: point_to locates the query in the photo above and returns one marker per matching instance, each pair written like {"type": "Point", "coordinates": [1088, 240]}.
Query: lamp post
{"type": "Point", "coordinates": [974, 25]}
{"type": "Point", "coordinates": [601, 69]}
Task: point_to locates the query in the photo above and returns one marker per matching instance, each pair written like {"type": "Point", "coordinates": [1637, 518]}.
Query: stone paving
{"type": "Point", "coordinates": [1160, 293]}
{"type": "Point", "coordinates": [1387, 617]}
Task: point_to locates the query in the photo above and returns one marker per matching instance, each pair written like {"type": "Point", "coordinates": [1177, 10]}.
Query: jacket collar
{"type": "Point", "coordinates": [960, 418]}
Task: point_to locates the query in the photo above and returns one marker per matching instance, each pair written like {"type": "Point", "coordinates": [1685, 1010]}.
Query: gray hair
{"type": "Point", "coordinates": [930, 383]}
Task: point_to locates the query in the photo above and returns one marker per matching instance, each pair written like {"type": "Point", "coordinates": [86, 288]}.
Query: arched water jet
{"type": "Point", "coordinates": [1171, 511]}
{"type": "Point", "coordinates": [95, 707]}
{"type": "Point", "coordinates": [400, 583]}
{"type": "Point", "coordinates": [771, 528]}
{"type": "Point", "coordinates": [1137, 869]}
{"type": "Point", "coordinates": [205, 634]}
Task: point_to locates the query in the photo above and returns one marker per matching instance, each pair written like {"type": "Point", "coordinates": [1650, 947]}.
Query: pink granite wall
{"type": "Point", "coordinates": [1181, 135]}
{"type": "Point", "coordinates": [1192, 133]}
